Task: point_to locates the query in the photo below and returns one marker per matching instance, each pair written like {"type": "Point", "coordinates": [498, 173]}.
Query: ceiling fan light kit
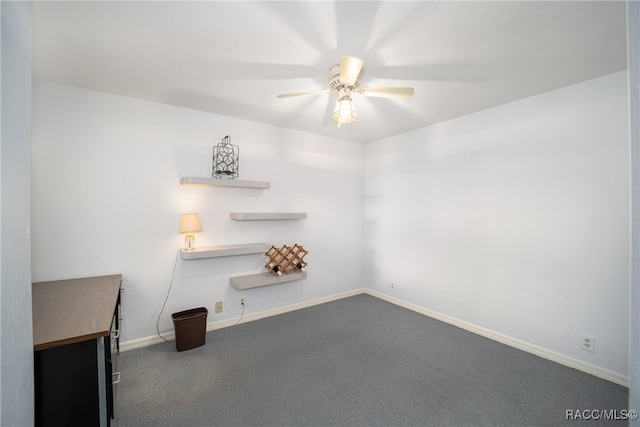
{"type": "Point", "coordinates": [345, 111]}
{"type": "Point", "coordinates": [344, 78]}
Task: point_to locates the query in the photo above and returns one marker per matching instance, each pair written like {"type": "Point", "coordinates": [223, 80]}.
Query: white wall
{"type": "Point", "coordinates": [513, 219]}
{"type": "Point", "coordinates": [107, 199]}
{"type": "Point", "coordinates": [16, 343]}
{"type": "Point", "coordinates": [633, 49]}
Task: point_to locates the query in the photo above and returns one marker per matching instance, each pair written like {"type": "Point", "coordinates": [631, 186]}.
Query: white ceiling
{"type": "Point", "coordinates": [234, 57]}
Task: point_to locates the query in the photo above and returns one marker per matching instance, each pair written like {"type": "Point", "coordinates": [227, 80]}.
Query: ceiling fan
{"type": "Point", "coordinates": [344, 78]}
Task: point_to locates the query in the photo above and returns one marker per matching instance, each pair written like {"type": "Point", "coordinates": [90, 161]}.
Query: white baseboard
{"type": "Point", "coordinates": [545, 353]}
{"type": "Point", "coordinates": [212, 326]}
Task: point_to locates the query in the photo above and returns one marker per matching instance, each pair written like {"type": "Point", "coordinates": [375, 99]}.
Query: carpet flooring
{"type": "Point", "coordinates": [359, 361]}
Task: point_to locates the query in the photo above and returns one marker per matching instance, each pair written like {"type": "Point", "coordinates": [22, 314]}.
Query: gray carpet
{"type": "Point", "coordinates": [359, 361]}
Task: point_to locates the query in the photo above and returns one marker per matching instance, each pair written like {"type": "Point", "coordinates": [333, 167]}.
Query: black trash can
{"type": "Point", "coordinates": [190, 328]}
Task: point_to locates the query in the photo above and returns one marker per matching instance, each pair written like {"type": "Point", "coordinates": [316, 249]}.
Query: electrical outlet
{"type": "Point", "coordinates": [393, 285]}
{"type": "Point", "coordinates": [218, 307]}
{"type": "Point", "coordinates": [588, 343]}
{"type": "Point", "coordinates": [242, 302]}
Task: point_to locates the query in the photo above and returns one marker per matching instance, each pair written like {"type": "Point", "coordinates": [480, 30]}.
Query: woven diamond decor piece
{"type": "Point", "coordinates": [285, 259]}
{"type": "Point", "coordinates": [295, 256]}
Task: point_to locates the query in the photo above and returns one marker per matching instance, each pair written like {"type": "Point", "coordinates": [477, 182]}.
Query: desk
{"type": "Point", "coordinates": [75, 339]}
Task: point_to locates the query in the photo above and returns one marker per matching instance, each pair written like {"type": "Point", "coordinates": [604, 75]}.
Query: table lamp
{"type": "Point", "coordinates": [190, 223]}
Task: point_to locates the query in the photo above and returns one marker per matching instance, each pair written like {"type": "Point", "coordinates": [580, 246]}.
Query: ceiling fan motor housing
{"type": "Point", "coordinates": [334, 78]}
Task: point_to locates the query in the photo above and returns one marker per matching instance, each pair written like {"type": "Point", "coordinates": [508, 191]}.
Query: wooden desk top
{"type": "Point", "coordinates": [70, 311]}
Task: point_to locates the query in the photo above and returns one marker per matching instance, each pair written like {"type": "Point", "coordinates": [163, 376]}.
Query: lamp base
{"type": "Point", "coordinates": [189, 242]}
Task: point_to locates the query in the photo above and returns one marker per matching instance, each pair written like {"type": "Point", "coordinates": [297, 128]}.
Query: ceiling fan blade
{"type": "Point", "coordinates": [387, 92]}
{"type": "Point", "coordinates": [434, 72]}
{"type": "Point", "coordinates": [350, 68]}
{"type": "Point", "coordinates": [308, 92]}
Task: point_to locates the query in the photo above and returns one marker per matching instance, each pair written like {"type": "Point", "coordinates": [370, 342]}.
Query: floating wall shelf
{"type": "Point", "coordinates": [266, 216]}
{"type": "Point", "coordinates": [224, 250]}
{"type": "Point", "coordinates": [265, 279]}
{"type": "Point", "coordinates": [228, 183]}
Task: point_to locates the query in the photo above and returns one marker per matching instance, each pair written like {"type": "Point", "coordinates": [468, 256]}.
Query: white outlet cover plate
{"type": "Point", "coordinates": [588, 343]}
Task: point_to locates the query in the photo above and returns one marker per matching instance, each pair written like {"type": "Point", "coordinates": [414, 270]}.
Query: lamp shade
{"type": "Point", "coordinates": [190, 223]}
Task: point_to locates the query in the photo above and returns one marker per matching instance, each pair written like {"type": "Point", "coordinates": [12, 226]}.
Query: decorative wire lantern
{"type": "Point", "coordinates": [226, 159]}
